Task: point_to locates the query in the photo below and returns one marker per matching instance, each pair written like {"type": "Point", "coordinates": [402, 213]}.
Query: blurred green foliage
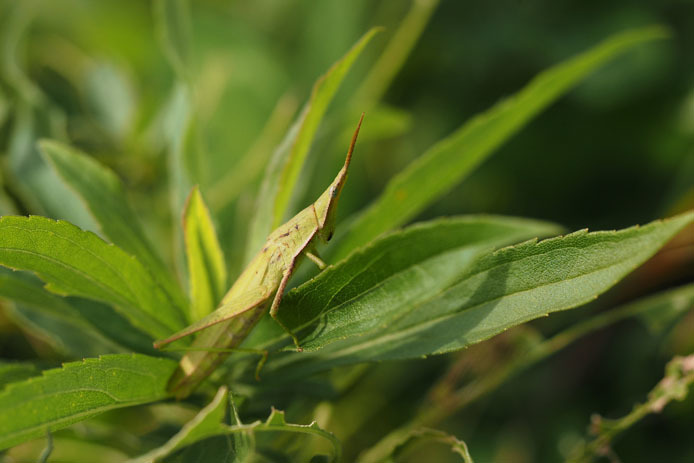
{"type": "Point", "coordinates": [109, 78]}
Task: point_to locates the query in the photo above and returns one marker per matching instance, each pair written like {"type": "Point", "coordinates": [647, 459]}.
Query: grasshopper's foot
{"type": "Point", "coordinates": [296, 343]}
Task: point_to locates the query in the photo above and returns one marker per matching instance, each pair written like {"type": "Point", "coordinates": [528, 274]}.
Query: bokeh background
{"type": "Point", "coordinates": [616, 151]}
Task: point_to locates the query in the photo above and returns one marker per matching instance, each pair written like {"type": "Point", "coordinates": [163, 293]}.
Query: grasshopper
{"type": "Point", "coordinates": [260, 285]}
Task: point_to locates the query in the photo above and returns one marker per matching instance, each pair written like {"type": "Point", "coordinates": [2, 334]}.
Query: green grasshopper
{"type": "Point", "coordinates": [260, 285]}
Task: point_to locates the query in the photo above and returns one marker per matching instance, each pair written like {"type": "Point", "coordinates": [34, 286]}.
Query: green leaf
{"type": "Point", "coordinates": [173, 30]}
{"type": "Point", "coordinates": [78, 391]}
{"type": "Point", "coordinates": [285, 165]}
{"type": "Point", "coordinates": [396, 52]}
{"type": "Point", "coordinates": [660, 311]}
{"type": "Point", "coordinates": [66, 449]}
{"type": "Point", "coordinates": [56, 319]}
{"type": "Point", "coordinates": [501, 290]}
{"type": "Point", "coordinates": [33, 116]}
{"type": "Point", "coordinates": [75, 262]}
{"type": "Point", "coordinates": [447, 162]}
{"type": "Point", "coordinates": [183, 156]}
{"type": "Point", "coordinates": [59, 332]}
{"type": "Point", "coordinates": [11, 372]}
{"type": "Point", "coordinates": [103, 193]}
{"type": "Point", "coordinates": [394, 272]}
{"type": "Point", "coordinates": [209, 422]}
{"type": "Point", "coordinates": [206, 268]}
{"type": "Point", "coordinates": [251, 164]}
{"type": "Point", "coordinates": [433, 435]}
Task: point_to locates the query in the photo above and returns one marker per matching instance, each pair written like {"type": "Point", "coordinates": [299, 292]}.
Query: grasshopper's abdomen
{"type": "Point", "coordinates": [195, 366]}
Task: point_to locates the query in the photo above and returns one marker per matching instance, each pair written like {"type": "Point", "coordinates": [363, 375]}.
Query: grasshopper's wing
{"type": "Point", "coordinates": [245, 301]}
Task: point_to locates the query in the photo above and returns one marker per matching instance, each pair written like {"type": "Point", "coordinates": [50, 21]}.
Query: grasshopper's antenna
{"type": "Point", "coordinates": [354, 141]}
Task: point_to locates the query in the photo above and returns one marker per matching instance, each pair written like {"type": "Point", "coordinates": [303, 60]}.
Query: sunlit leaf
{"type": "Point", "coordinates": [500, 290]}
{"type": "Point", "coordinates": [79, 263]}
{"type": "Point", "coordinates": [206, 268]}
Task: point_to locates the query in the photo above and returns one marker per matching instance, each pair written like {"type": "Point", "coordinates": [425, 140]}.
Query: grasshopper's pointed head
{"type": "Point", "coordinates": [326, 206]}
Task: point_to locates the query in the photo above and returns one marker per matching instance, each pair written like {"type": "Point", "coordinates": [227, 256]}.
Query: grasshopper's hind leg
{"type": "Point", "coordinates": [278, 298]}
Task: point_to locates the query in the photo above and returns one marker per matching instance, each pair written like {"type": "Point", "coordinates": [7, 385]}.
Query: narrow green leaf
{"type": "Point", "coordinates": [206, 268]}
{"type": "Point", "coordinates": [209, 422]}
{"type": "Point", "coordinates": [447, 162]}
{"type": "Point", "coordinates": [285, 165]}
{"type": "Point", "coordinates": [173, 30]}
{"type": "Point", "coordinates": [660, 311]}
{"type": "Point", "coordinates": [183, 156]}
{"type": "Point", "coordinates": [503, 289]}
{"type": "Point", "coordinates": [399, 46]}
{"type": "Point", "coordinates": [103, 193]}
{"type": "Point", "coordinates": [248, 169]}
{"type": "Point", "coordinates": [382, 280]}
{"type": "Point", "coordinates": [78, 391]}
{"type": "Point", "coordinates": [75, 262]}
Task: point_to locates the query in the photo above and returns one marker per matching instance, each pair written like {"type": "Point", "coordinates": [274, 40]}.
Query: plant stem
{"type": "Point", "coordinates": [675, 385]}
{"type": "Point", "coordinates": [433, 412]}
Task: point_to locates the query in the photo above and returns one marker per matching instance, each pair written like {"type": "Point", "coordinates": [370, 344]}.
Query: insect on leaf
{"type": "Point", "coordinates": [260, 286]}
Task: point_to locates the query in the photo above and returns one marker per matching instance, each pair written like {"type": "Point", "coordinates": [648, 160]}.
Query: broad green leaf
{"type": "Point", "coordinates": [103, 193]}
{"type": "Point", "coordinates": [78, 391]}
{"type": "Point", "coordinates": [285, 165]}
{"type": "Point", "coordinates": [209, 422]}
{"type": "Point", "coordinates": [79, 263]}
{"type": "Point", "coordinates": [206, 268]}
{"type": "Point", "coordinates": [57, 319]}
{"type": "Point", "coordinates": [382, 280]}
{"type": "Point", "coordinates": [447, 162]}
{"type": "Point", "coordinates": [502, 289]}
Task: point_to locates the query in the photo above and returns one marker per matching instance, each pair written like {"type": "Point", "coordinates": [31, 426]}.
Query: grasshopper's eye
{"type": "Point", "coordinates": [330, 236]}
{"type": "Point", "coordinates": [333, 192]}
